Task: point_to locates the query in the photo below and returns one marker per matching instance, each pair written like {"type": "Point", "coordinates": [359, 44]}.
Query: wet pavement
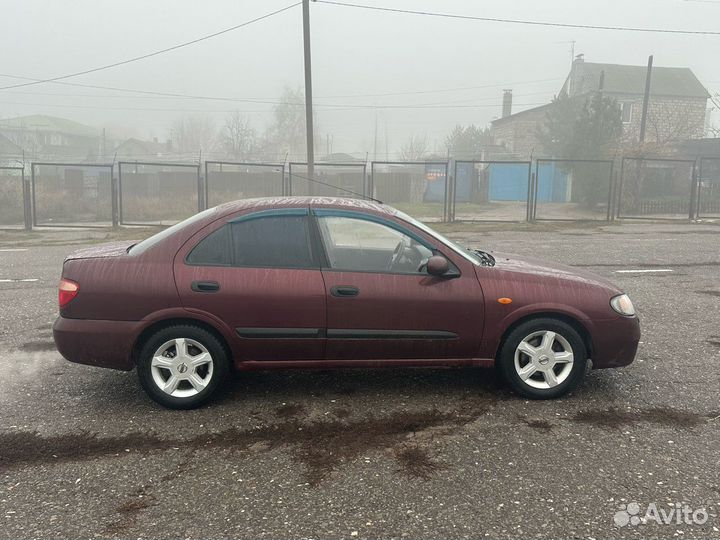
{"type": "Point", "coordinates": [417, 453]}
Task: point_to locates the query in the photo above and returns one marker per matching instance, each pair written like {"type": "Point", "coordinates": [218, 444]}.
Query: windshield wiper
{"type": "Point", "coordinates": [485, 258]}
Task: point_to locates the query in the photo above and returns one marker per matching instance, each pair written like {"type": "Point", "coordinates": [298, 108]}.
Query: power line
{"type": "Point", "coordinates": [520, 21]}
{"type": "Point", "coordinates": [155, 53]}
{"type": "Point", "coordinates": [321, 108]}
{"type": "Point", "coordinates": [259, 100]}
{"type": "Point", "coordinates": [444, 89]}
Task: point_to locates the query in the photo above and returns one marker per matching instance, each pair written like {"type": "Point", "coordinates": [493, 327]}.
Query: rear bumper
{"type": "Point", "coordinates": [96, 343]}
{"type": "Point", "coordinates": [615, 342]}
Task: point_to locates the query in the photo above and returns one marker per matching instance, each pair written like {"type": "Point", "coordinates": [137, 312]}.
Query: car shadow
{"type": "Point", "coordinates": [340, 384]}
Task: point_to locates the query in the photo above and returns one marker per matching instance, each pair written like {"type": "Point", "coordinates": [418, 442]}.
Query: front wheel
{"type": "Point", "coordinates": [543, 359]}
{"type": "Point", "coordinates": [181, 366]}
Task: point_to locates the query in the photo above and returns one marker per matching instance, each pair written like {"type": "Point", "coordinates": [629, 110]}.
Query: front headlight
{"type": "Point", "coordinates": [623, 305]}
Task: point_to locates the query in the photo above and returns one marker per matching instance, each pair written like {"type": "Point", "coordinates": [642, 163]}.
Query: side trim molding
{"type": "Point", "coordinates": [389, 334]}
{"type": "Point", "coordinates": [280, 333]}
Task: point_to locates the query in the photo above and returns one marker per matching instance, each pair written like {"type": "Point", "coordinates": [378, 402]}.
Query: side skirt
{"type": "Point", "coordinates": [253, 365]}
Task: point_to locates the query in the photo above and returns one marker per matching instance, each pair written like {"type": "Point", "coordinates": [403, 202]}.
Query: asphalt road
{"type": "Point", "coordinates": [375, 454]}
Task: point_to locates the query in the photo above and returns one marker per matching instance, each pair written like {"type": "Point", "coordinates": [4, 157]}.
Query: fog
{"type": "Point", "coordinates": [413, 74]}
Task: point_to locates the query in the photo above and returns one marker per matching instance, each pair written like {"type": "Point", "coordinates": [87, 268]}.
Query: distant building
{"type": "Point", "coordinates": [138, 150]}
{"type": "Point", "coordinates": [677, 108]}
{"type": "Point", "coordinates": [10, 152]}
{"type": "Point", "coordinates": [50, 137]}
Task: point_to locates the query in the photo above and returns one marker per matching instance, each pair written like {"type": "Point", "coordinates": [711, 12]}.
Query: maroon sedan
{"type": "Point", "coordinates": [300, 282]}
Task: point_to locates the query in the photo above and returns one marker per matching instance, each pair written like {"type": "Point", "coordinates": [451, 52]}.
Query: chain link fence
{"type": "Point", "coordinates": [330, 180]}
{"type": "Point", "coordinates": [419, 188]}
{"type": "Point", "coordinates": [490, 190]}
{"type": "Point", "coordinates": [573, 190]}
{"type": "Point", "coordinates": [227, 181]}
{"type": "Point", "coordinates": [656, 188]}
{"type": "Point", "coordinates": [158, 193]}
{"type": "Point", "coordinates": [72, 194]}
{"type": "Point", "coordinates": [14, 201]}
{"type": "Point", "coordinates": [708, 188]}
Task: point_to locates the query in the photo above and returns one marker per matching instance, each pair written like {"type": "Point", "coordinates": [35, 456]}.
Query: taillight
{"type": "Point", "coordinates": [67, 291]}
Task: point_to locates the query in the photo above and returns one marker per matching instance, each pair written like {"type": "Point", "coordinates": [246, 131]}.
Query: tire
{"type": "Point", "coordinates": [543, 359]}
{"type": "Point", "coordinates": [198, 371]}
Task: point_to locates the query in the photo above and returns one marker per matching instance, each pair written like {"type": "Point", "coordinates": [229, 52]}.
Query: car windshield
{"type": "Point", "coordinates": [478, 258]}
{"type": "Point", "coordinates": [141, 247]}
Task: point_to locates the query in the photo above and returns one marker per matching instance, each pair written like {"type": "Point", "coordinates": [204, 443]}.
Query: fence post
{"type": "Point", "coordinates": [114, 199]}
{"type": "Point", "coordinates": [619, 189]}
{"type": "Point", "coordinates": [32, 190]}
{"type": "Point", "coordinates": [371, 180]}
{"type": "Point", "coordinates": [693, 192]}
{"type": "Point", "coordinates": [532, 198]}
{"type": "Point", "coordinates": [449, 190]}
{"type": "Point", "coordinates": [200, 190]}
{"type": "Point", "coordinates": [27, 202]}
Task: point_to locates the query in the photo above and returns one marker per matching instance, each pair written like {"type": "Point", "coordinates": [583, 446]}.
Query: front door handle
{"type": "Point", "coordinates": [344, 291]}
{"type": "Point", "coordinates": [205, 286]}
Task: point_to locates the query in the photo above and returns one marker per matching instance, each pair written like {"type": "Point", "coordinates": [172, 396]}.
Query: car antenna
{"type": "Point", "coordinates": [338, 187]}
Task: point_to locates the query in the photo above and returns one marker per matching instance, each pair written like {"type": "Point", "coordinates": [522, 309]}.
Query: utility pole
{"type": "Point", "coordinates": [646, 99]}
{"type": "Point", "coordinates": [309, 136]}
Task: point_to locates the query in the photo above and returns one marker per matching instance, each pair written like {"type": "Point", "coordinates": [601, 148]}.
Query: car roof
{"type": "Point", "coordinates": [267, 203]}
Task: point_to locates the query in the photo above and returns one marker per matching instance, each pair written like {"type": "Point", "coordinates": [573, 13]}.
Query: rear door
{"type": "Point", "coordinates": [258, 274]}
{"type": "Point", "coordinates": [382, 305]}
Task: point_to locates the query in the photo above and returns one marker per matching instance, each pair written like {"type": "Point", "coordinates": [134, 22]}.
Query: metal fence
{"type": "Point", "coordinates": [657, 188]}
{"type": "Point", "coordinates": [89, 195]}
{"type": "Point", "coordinates": [490, 191]}
{"type": "Point", "coordinates": [72, 194]}
{"type": "Point", "coordinates": [420, 188]}
{"type": "Point", "coordinates": [708, 188]}
{"type": "Point", "coordinates": [227, 181]}
{"type": "Point", "coordinates": [329, 179]}
{"type": "Point", "coordinates": [15, 208]}
{"type": "Point", "coordinates": [572, 190]}
{"type": "Point", "coordinates": [158, 193]}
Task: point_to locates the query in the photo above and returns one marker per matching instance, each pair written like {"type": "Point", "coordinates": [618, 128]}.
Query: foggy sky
{"type": "Point", "coordinates": [355, 52]}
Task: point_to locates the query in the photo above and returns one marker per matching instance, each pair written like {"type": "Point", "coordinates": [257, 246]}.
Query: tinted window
{"type": "Point", "coordinates": [366, 246]}
{"type": "Point", "coordinates": [214, 249]}
{"type": "Point", "coordinates": [273, 241]}
{"type": "Point", "coordinates": [146, 244]}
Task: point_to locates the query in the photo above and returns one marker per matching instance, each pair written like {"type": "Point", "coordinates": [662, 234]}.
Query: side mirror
{"type": "Point", "coordinates": [437, 265]}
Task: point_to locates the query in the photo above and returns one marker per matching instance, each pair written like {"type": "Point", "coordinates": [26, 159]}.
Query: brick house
{"type": "Point", "coordinates": [677, 109]}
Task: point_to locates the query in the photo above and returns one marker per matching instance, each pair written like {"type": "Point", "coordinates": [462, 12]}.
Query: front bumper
{"type": "Point", "coordinates": [615, 342]}
{"type": "Point", "coordinates": [96, 343]}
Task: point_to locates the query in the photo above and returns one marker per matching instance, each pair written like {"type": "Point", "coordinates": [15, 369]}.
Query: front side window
{"type": "Point", "coordinates": [359, 245]}
{"type": "Point", "coordinates": [272, 242]}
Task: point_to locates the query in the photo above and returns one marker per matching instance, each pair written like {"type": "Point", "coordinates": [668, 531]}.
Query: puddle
{"type": "Point", "coordinates": [321, 447]}
{"type": "Point", "coordinates": [666, 417]}
{"type": "Point", "coordinates": [416, 461]}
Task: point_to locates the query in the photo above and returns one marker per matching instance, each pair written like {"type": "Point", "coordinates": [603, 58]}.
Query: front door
{"type": "Point", "coordinates": [258, 274]}
{"type": "Point", "coordinates": [382, 304]}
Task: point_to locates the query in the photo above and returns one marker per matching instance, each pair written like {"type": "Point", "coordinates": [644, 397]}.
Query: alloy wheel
{"type": "Point", "coordinates": [544, 359]}
{"type": "Point", "coordinates": [182, 367]}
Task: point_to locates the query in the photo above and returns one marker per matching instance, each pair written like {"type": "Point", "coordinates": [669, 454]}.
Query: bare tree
{"type": "Point", "coordinates": [237, 138]}
{"type": "Point", "coordinates": [415, 148]}
{"type": "Point", "coordinates": [194, 134]}
{"type": "Point", "coordinates": [286, 134]}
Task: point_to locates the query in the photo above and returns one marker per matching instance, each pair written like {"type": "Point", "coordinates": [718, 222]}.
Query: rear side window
{"type": "Point", "coordinates": [213, 250]}
{"type": "Point", "coordinates": [273, 242]}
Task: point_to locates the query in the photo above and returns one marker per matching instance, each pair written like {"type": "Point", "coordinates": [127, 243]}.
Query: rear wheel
{"type": "Point", "coordinates": [180, 367]}
{"type": "Point", "coordinates": [543, 358]}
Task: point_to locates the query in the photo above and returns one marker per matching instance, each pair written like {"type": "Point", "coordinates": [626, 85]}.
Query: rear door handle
{"type": "Point", "coordinates": [205, 286]}
{"type": "Point", "coordinates": [344, 291]}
